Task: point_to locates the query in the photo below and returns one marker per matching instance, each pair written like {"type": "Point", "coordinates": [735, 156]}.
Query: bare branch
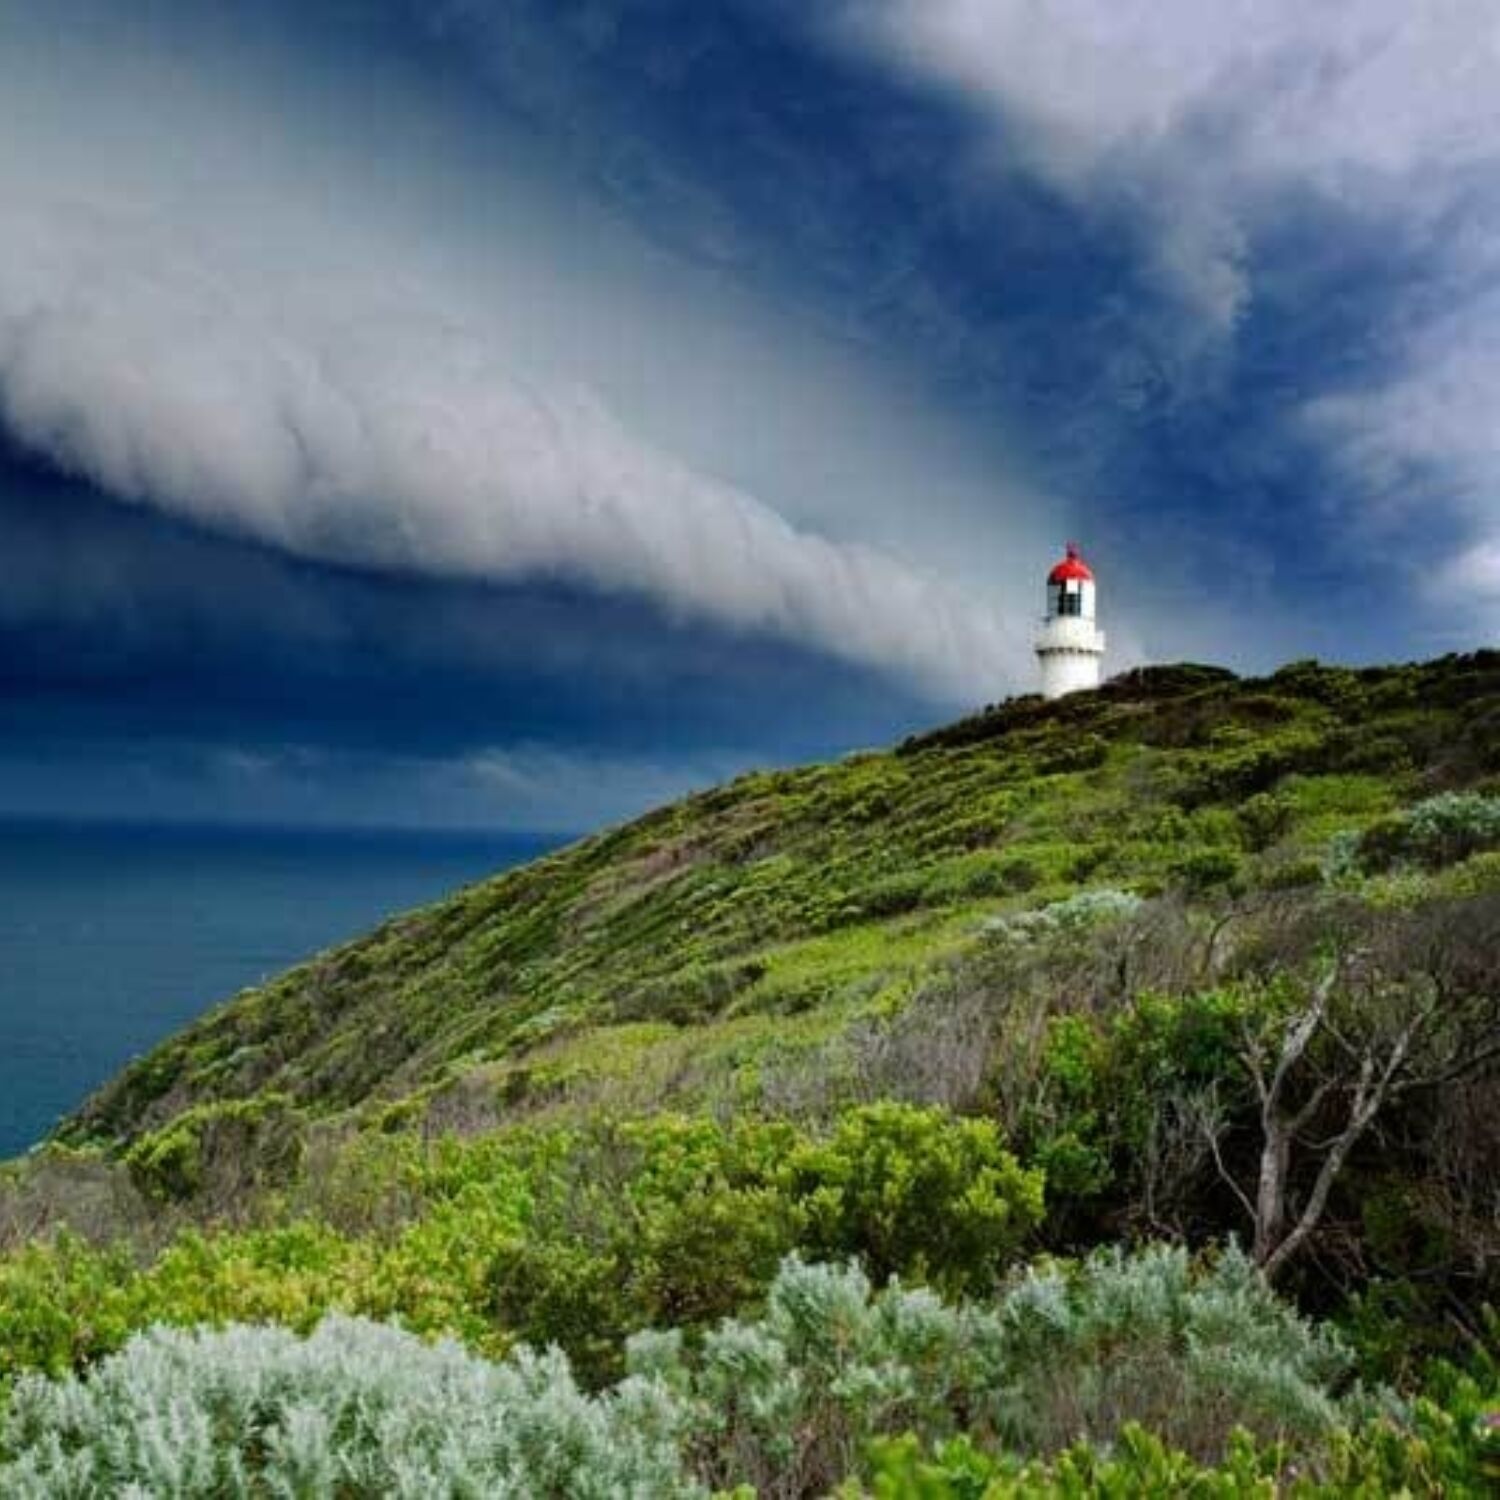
{"type": "Point", "coordinates": [1212, 1137]}
{"type": "Point", "coordinates": [1299, 1035]}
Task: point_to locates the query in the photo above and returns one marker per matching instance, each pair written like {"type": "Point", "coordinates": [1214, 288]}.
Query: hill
{"type": "Point", "coordinates": [679, 956]}
{"type": "Point", "coordinates": [1049, 1011]}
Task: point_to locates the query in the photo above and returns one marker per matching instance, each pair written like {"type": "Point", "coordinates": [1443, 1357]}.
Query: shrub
{"type": "Point", "coordinates": [1113, 1110]}
{"type": "Point", "coordinates": [1440, 831]}
{"type": "Point", "coordinates": [892, 896]}
{"type": "Point", "coordinates": [789, 1403]}
{"type": "Point", "coordinates": [1191, 1353]}
{"type": "Point", "coordinates": [916, 1193]}
{"type": "Point", "coordinates": [1263, 818]}
{"type": "Point", "coordinates": [669, 1220]}
{"type": "Point", "coordinates": [793, 1401]}
{"type": "Point", "coordinates": [356, 1409]}
{"type": "Point", "coordinates": [221, 1152]}
{"type": "Point", "coordinates": [1139, 1466]}
{"type": "Point", "coordinates": [678, 1221]}
{"type": "Point", "coordinates": [62, 1303]}
{"type": "Point", "coordinates": [574, 1237]}
{"type": "Point", "coordinates": [1204, 869]}
{"type": "Point", "coordinates": [1073, 914]}
{"type": "Point", "coordinates": [1293, 874]}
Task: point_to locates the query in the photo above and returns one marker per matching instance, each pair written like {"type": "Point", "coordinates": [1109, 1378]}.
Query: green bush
{"type": "Point", "coordinates": [915, 1193]}
{"type": "Point", "coordinates": [567, 1236]}
{"type": "Point", "coordinates": [1139, 1467]}
{"type": "Point", "coordinates": [1263, 819]}
{"type": "Point", "coordinates": [224, 1151]}
{"type": "Point", "coordinates": [1204, 869]}
{"type": "Point", "coordinates": [678, 1221]}
{"type": "Point", "coordinates": [668, 1221]}
{"type": "Point", "coordinates": [1111, 1085]}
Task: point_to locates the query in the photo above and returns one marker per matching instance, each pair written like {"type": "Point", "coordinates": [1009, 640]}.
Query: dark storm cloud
{"type": "Point", "coordinates": [1378, 122]}
{"type": "Point", "coordinates": [113, 616]}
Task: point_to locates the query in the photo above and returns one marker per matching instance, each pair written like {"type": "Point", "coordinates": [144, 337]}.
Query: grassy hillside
{"type": "Point", "coordinates": [1190, 959]}
{"type": "Point", "coordinates": [674, 955]}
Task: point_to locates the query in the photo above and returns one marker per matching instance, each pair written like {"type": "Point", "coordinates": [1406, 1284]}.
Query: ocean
{"type": "Point", "coordinates": [113, 937]}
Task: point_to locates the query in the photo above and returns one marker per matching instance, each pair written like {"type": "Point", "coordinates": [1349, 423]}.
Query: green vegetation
{"type": "Point", "coordinates": [1042, 1015]}
{"type": "Point", "coordinates": [573, 1236]}
{"type": "Point", "coordinates": [765, 914]}
{"type": "Point", "coordinates": [1062, 1368]}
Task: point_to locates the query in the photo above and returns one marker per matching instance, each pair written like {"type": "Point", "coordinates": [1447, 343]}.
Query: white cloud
{"type": "Point", "coordinates": [1438, 409]}
{"type": "Point", "coordinates": [1196, 110]}
{"type": "Point", "coordinates": [1377, 84]}
{"type": "Point", "coordinates": [1475, 574]}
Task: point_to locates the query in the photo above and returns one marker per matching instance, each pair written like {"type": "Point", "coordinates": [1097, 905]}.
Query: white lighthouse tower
{"type": "Point", "coordinates": [1070, 644]}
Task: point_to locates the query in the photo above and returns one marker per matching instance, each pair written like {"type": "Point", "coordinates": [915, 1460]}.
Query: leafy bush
{"type": "Point", "coordinates": [1113, 1115]}
{"type": "Point", "coordinates": [567, 1236]}
{"type": "Point", "coordinates": [1204, 869]}
{"type": "Point", "coordinates": [671, 1220]}
{"type": "Point", "coordinates": [1263, 818]}
{"type": "Point", "coordinates": [915, 1193]}
{"type": "Point", "coordinates": [1139, 1467]}
{"type": "Point", "coordinates": [63, 1303]}
{"type": "Point", "coordinates": [224, 1151]}
{"type": "Point", "coordinates": [680, 1221]}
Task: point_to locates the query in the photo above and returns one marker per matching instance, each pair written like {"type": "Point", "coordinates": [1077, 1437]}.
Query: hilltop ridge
{"type": "Point", "coordinates": [671, 957]}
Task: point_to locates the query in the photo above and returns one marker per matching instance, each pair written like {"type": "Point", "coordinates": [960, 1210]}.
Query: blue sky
{"type": "Point", "coordinates": [512, 412]}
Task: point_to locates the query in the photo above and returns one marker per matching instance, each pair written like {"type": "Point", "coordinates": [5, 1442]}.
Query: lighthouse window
{"type": "Point", "coordinates": [1070, 602]}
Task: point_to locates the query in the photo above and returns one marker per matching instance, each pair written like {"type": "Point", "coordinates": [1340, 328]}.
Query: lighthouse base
{"type": "Point", "coordinates": [1065, 672]}
{"type": "Point", "coordinates": [1070, 651]}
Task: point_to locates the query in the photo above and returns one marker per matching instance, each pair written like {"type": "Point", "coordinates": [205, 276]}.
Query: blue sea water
{"type": "Point", "coordinates": [113, 937]}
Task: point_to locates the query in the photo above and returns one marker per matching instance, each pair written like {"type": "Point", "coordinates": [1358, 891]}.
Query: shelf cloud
{"type": "Point", "coordinates": [322, 420]}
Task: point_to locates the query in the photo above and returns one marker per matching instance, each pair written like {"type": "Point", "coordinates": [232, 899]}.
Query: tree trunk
{"type": "Point", "coordinates": [1270, 1195]}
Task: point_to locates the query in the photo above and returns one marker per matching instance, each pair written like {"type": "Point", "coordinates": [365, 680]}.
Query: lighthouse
{"type": "Point", "coordinates": [1070, 644]}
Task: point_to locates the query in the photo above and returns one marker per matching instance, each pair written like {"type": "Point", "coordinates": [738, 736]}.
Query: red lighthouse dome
{"type": "Point", "coordinates": [1072, 569]}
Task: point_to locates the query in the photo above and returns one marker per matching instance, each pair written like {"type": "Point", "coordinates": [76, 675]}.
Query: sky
{"type": "Point", "coordinates": [513, 413]}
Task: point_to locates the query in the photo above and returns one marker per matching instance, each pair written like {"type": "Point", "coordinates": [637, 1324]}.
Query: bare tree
{"type": "Point", "coordinates": [1403, 1003]}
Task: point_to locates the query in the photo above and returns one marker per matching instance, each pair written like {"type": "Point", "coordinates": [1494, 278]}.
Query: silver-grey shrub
{"type": "Point", "coordinates": [1454, 824]}
{"type": "Point", "coordinates": [1075, 913]}
{"type": "Point", "coordinates": [789, 1402]}
{"type": "Point", "coordinates": [356, 1409]}
{"type": "Point", "coordinates": [1191, 1352]}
